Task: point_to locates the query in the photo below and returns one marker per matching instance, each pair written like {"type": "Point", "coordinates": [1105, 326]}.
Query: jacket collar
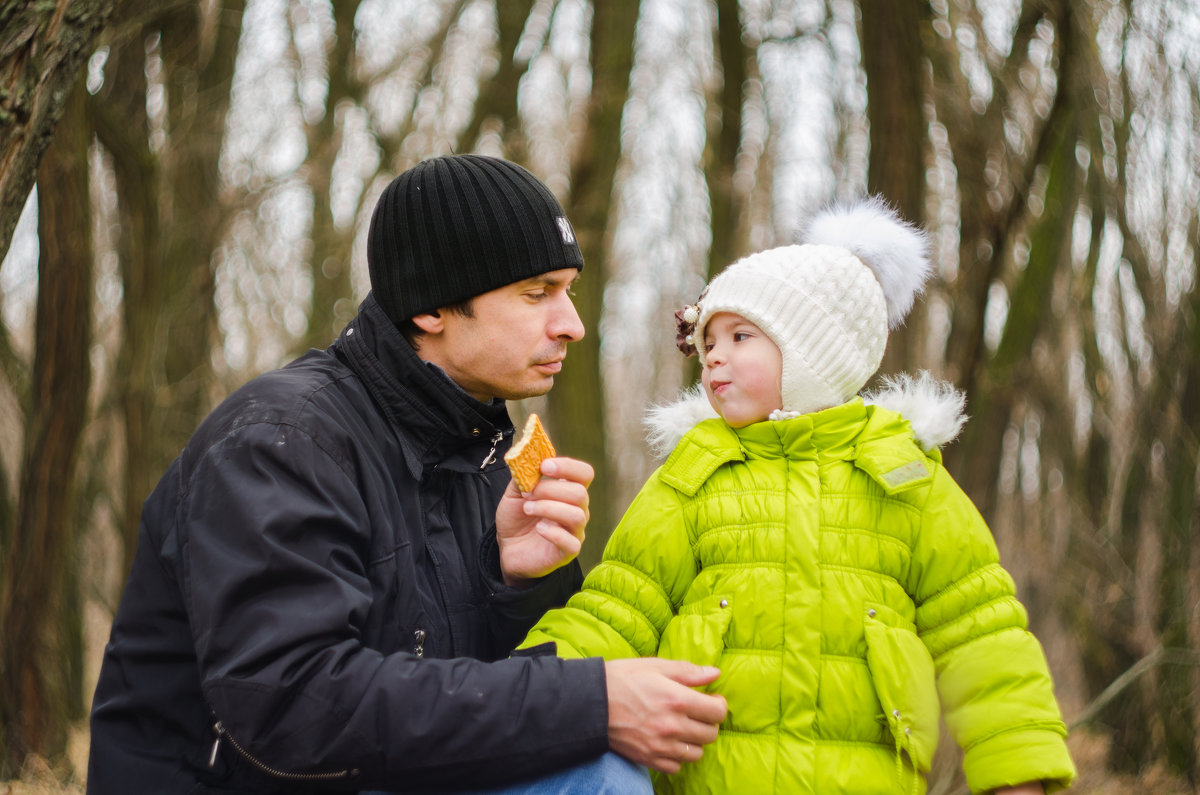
{"type": "Point", "coordinates": [433, 416]}
{"type": "Point", "coordinates": [830, 433]}
{"type": "Point", "coordinates": [932, 408]}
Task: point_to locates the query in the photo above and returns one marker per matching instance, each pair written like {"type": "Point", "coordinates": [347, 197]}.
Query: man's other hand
{"type": "Point", "coordinates": [655, 718]}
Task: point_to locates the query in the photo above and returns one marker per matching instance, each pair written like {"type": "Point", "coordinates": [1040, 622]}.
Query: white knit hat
{"type": "Point", "coordinates": [827, 304]}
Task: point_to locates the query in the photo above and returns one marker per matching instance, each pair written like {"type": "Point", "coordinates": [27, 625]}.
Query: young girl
{"type": "Point", "coordinates": [811, 545]}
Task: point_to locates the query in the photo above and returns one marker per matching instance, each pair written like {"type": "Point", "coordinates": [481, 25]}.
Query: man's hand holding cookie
{"type": "Point", "coordinates": [540, 522]}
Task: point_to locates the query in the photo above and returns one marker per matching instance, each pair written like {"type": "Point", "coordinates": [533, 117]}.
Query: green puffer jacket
{"type": "Point", "coordinates": [844, 585]}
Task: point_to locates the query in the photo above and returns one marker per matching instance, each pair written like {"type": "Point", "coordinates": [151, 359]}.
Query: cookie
{"type": "Point", "coordinates": [525, 457]}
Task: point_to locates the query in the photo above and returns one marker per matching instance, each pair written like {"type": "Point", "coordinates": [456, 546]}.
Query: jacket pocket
{"type": "Point", "coordinates": [905, 681]}
{"type": "Point", "coordinates": [697, 633]}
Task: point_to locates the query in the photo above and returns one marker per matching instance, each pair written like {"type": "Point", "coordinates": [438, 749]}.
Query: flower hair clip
{"type": "Point", "coordinates": [685, 327]}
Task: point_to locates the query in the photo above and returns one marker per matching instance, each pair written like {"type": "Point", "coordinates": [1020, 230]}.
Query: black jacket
{"type": "Point", "coordinates": [316, 597]}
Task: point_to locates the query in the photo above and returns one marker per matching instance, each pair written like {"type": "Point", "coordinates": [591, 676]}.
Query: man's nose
{"type": "Point", "coordinates": [566, 324]}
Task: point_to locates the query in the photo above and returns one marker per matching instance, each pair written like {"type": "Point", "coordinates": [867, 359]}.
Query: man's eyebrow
{"type": "Point", "coordinates": [544, 280]}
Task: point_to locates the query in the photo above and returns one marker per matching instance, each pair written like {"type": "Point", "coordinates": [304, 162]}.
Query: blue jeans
{"type": "Point", "coordinates": [611, 774]}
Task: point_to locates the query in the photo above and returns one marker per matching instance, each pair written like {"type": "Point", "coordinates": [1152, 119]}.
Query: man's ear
{"type": "Point", "coordinates": [430, 322]}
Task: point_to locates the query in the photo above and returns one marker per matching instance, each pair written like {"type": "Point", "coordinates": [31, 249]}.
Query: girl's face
{"type": "Point", "coordinates": [743, 369]}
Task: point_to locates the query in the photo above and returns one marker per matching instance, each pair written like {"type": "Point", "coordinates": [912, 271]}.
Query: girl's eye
{"type": "Point", "coordinates": [741, 336]}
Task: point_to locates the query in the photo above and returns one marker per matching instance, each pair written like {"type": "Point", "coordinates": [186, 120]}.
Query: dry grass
{"type": "Point", "coordinates": [39, 778]}
{"type": "Point", "coordinates": [1089, 752]}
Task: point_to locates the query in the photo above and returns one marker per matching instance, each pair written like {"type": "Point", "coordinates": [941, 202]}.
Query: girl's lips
{"type": "Point", "coordinates": [719, 386]}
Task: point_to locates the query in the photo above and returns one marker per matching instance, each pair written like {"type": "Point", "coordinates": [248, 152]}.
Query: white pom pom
{"type": "Point", "coordinates": [896, 251]}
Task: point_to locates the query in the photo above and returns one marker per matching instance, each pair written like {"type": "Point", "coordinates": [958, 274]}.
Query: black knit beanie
{"type": "Point", "coordinates": [457, 226]}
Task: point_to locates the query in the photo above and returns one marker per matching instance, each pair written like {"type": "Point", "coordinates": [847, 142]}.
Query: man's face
{"type": "Point", "coordinates": [514, 345]}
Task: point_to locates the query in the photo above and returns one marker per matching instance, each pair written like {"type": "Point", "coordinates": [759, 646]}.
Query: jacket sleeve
{"type": "Point", "coordinates": [274, 548]}
{"type": "Point", "coordinates": [513, 611]}
{"type": "Point", "coordinates": [630, 596]}
{"type": "Point", "coordinates": [992, 678]}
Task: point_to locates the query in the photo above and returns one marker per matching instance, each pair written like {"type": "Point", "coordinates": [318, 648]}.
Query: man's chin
{"type": "Point", "coordinates": [531, 390]}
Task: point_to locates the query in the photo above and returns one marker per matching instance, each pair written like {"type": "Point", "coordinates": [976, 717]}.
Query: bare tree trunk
{"type": "Point", "coordinates": [1163, 504]}
{"type": "Point", "coordinates": [974, 140]}
{"type": "Point", "coordinates": [1181, 614]}
{"type": "Point", "coordinates": [729, 217]}
{"type": "Point", "coordinates": [331, 305]}
{"type": "Point", "coordinates": [198, 71]}
{"type": "Point", "coordinates": [42, 47]}
{"type": "Point", "coordinates": [894, 61]}
{"type": "Point", "coordinates": [119, 114]}
{"type": "Point", "coordinates": [986, 233]}
{"type": "Point", "coordinates": [39, 602]}
{"type": "Point", "coordinates": [497, 101]}
{"type": "Point", "coordinates": [1178, 700]}
{"type": "Point", "coordinates": [577, 400]}
{"type": "Point", "coordinates": [171, 221]}
{"type": "Point", "coordinates": [724, 142]}
{"type": "Point", "coordinates": [1008, 373]}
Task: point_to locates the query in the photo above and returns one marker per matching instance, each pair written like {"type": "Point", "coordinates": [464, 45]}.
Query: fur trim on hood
{"type": "Point", "coordinates": [666, 423]}
{"type": "Point", "coordinates": [932, 407]}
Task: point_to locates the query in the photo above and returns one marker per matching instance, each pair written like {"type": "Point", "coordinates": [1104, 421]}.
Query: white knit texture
{"type": "Point", "coordinates": [896, 251]}
{"type": "Point", "coordinates": [823, 309]}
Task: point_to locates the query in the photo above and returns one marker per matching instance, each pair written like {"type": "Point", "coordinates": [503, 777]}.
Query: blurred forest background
{"type": "Point", "coordinates": [185, 186]}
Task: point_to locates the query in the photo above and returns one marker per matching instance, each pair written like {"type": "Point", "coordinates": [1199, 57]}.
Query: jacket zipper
{"type": "Point", "coordinates": [491, 456]}
{"type": "Point", "coordinates": [419, 643]}
{"type": "Point", "coordinates": [219, 729]}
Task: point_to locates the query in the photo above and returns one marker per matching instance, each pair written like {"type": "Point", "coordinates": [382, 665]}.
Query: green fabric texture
{"type": "Point", "coordinates": [849, 592]}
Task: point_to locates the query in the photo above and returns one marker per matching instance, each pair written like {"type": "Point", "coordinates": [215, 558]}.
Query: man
{"type": "Point", "coordinates": [330, 578]}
